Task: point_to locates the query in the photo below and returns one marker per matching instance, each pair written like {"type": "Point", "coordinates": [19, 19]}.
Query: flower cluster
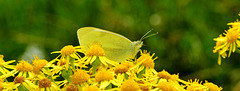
{"type": "Point", "coordinates": [93, 72]}
{"type": "Point", "coordinates": [228, 42]}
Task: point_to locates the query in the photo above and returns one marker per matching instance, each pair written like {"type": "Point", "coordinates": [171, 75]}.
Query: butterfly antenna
{"type": "Point", "coordinates": [150, 35]}
{"type": "Point", "coordinates": [143, 37]}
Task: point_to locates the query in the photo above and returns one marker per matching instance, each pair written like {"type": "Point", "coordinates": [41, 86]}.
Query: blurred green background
{"type": "Point", "coordinates": [184, 44]}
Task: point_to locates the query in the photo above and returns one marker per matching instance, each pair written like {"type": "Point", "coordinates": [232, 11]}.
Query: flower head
{"type": "Point", "coordinates": [69, 50]}
{"type": "Point", "coordinates": [145, 87]}
{"type": "Point", "coordinates": [195, 85]}
{"type": "Point", "coordinates": [147, 59]}
{"type": "Point", "coordinates": [130, 85]}
{"type": "Point", "coordinates": [4, 65]}
{"type": "Point", "coordinates": [95, 50]}
{"type": "Point", "coordinates": [67, 59]}
{"type": "Point", "coordinates": [168, 85]}
{"type": "Point", "coordinates": [212, 87]}
{"type": "Point", "coordinates": [164, 74]}
{"type": "Point", "coordinates": [38, 64]}
{"type": "Point", "coordinates": [47, 84]}
{"type": "Point", "coordinates": [72, 88]}
{"type": "Point", "coordinates": [104, 75]}
{"type": "Point", "coordinates": [123, 67]}
{"type": "Point", "coordinates": [91, 88]}
{"type": "Point", "coordinates": [44, 83]}
{"type": "Point", "coordinates": [19, 79]}
{"type": "Point", "coordinates": [79, 77]}
{"type": "Point", "coordinates": [220, 53]}
{"type": "Point", "coordinates": [23, 81]}
{"type": "Point", "coordinates": [24, 66]}
{"type": "Point", "coordinates": [227, 43]}
{"type": "Point", "coordinates": [1, 59]}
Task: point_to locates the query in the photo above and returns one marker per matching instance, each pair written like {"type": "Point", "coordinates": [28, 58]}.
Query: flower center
{"type": "Point", "coordinates": [95, 50]}
{"type": "Point", "coordinates": [38, 65]}
{"type": "Point", "coordinates": [68, 50]}
{"type": "Point", "coordinates": [103, 75]}
{"type": "Point", "coordinates": [130, 85]}
{"type": "Point", "coordinates": [166, 86]}
{"type": "Point", "coordinates": [232, 36]}
{"type": "Point", "coordinates": [121, 69]}
{"type": "Point", "coordinates": [148, 59]}
{"type": "Point", "coordinates": [72, 88]}
{"type": "Point", "coordinates": [44, 83]}
{"type": "Point", "coordinates": [24, 66]}
{"type": "Point", "coordinates": [164, 74]}
{"type": "Point", "coordinates": [144, 87]}
{"type": "Point", "coordinates": [19, 80]}
{"type": "Point", "coordinates": [79, 77]}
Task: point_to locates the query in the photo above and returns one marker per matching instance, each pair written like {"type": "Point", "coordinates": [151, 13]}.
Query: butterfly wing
{"type": "Point", "coordinates": [115, 46]}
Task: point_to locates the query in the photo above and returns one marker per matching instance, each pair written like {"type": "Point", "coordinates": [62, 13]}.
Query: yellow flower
{"type": "Point", "coordinates": [104, 75]}
{"type": "Point", "coordinates": [122, 71]}
{"type": "Point", "coordinates": [145, 64]}
{"type": "Point", "coordinates": [4, 65]}
{"type": "Point", "coordinates": [23, 68]}
{"type": "Point", "coordinates": [130, 85]}
{"type": "Point", "coordinates": [67, 60]}
{"type": "Point", "coordinates": [224, 54]}
{"type": "Point", "coordinates": [91, 88]}
{"type": "Point", "coordinates": [38, 65]}
{"type": "Point", "coordinates": [48, 85]}
{"type": "Point", "coordinates": [235, 25]}
{"type": "Point", "coordinates": [96, 51]}
{"type": "Point", "coordinates": [195, 85]}
{"type": "Point", "coordinates": [123, 67]}
{"type": "Point", "coordinates": [166, 86]}
{"type": "Point", "coordinates": [26, 83]}
{"type": "Point", "coordinates": [72, 88]}
{"type": "Point", "coordinates": [227, 43]}
{"type": "Point", "coordinates": [105, 78]}
{"type": "Point", "coordinates": [18, 81]}
{"type": "Point", "coordinates": [79, 77]}
{"type": "Point", "coordinates": [147, 59]}
{"type": "Point", "coordinates": [164, 74]}
{"type": "Point", "coordinates": [169, 85]}
{"type": "Point", "coordinates": [212, 87]}
{"type": "Point", "coordinates": [69, 50]}
{"type": "Point", "coordinates": [145, 87]}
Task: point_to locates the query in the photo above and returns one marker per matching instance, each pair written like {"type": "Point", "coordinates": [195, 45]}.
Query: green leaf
{"type": "Point", "coordinates": [237, 50]}
{"type": "Point", "coordinates": [109, 86]}
{"type": "Point", "coordinates": [140, 75]}
{"type": "Point", "coordinates": [22, 88]}
{"type": "Point", "coordinates": [126, 76]}
{"type": "Point", "coordinates": [72, 62]}
{"type": "Point", "coordinates": [95, 64]}
{"type": "Point", "coordinates": [66, 74]}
